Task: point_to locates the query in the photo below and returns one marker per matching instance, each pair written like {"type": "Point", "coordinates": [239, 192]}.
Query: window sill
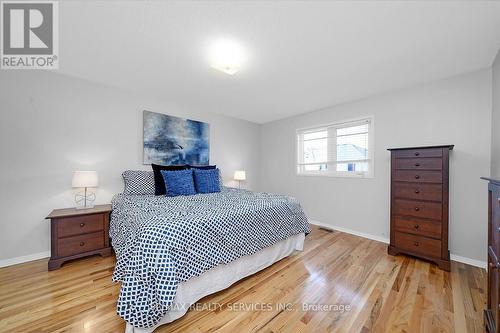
{"type": "Point", "coordinates": [335, 175]}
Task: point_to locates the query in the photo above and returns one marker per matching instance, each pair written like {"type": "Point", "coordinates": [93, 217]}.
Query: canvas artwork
{"type": "Point", "coordinates": [172, 140]}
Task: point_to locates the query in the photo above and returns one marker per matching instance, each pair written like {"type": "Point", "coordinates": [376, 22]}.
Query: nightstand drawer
{"type": "Point", "coordinates": [79, 244]}
{"type": "Point", "coordinates": [78, 225]}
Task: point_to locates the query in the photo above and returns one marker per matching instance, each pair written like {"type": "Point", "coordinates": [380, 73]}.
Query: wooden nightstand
{"type": "Point", "coordinates": [79, 233]}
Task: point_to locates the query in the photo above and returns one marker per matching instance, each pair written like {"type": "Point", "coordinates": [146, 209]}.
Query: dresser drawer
{"type": "Point", "coordinates": [79, 244]}
{"type": "Point", "coordinates": [418, 244]}
{"type": "Point", "coordinates": [420, 191]}
{"type": "Point", "coordinates": [418, 176]}
{"type": "Point", "coordinates": [417, 153]}
{"type": "Point", "coordinates": [417, 226]}
{"type": "Point", "coordinates": [429, 210]}
{"type": "Point", "coordinates": [419, 163]}
{"type": "Point", "coordinates": [78, 225]}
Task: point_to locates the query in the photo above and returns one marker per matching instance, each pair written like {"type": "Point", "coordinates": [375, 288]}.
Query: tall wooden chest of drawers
{"type": "Point", "coordinates": [492, 312]}
{"type": "Point", "coordinates": [419, 203]}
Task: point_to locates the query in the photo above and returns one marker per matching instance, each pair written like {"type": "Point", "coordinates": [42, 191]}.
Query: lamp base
{"type": "Point", "coordinates": [84, 200]}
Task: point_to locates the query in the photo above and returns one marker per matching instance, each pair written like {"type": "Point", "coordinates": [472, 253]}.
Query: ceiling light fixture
{"type": "Point", "coordinates": [227, 56]}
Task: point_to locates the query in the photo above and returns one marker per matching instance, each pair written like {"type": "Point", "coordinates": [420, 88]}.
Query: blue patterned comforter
{"type": "Point", "coordinates": [162, 241]}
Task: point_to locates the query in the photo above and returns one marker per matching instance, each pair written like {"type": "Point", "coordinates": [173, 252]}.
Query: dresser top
{"type": "Point", "coordinates": [67, 212]}
{"type": "Point", "coordinates": [450, 147]}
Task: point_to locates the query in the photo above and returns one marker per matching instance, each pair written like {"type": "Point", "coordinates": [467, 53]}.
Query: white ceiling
{"type": "Point", "coordinates": [302, 55]}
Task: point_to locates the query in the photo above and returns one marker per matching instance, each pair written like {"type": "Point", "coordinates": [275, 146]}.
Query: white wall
{"type": "Point", "coordinates": [453, 111]}
{"type": "Point", "coordinates": [495, 120]}
{"type": "Point", "coordinates": [53, 124]}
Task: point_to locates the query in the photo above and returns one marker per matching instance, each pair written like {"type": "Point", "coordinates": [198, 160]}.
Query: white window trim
{"type": "Point", "coordinates": [337, 174]}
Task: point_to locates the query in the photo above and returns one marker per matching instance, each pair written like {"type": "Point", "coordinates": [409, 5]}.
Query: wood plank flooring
{"type": "Point", "coordinates": [384, 293]}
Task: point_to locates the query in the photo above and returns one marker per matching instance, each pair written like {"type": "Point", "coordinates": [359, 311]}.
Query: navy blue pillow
{"type": "Point", "coordinates": [203, 167]}
{"type": "Point", "coordinates": [159, 182]}
{"type": "Point", "coordinates": [206, 181]}
{"type": "Point", "coordinates": [179, 182]}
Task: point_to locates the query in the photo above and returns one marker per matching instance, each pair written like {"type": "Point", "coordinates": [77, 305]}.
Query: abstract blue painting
{"type": "Point", "coordinates": [171, 140]}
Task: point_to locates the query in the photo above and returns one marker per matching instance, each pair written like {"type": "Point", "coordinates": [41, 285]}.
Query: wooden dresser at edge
{"type": "Point", "coordinates": [492, 312]}
{"type": "Point", "coordinates": [419, 203]}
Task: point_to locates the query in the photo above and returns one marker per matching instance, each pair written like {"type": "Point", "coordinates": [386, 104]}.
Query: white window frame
{"type": "Point", "coordinates": [332, 149]}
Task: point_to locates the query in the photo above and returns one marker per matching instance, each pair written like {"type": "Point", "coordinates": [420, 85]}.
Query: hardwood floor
{"type": "Point", "coordinates": [385, 294]}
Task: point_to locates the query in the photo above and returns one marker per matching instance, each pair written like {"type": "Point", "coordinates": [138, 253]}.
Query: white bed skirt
{"type": "Point", "coordinates": [222, 277]}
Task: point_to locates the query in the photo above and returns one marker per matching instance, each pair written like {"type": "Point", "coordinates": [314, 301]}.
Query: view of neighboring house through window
{"type": "Point", "coordinates": [341, 149]}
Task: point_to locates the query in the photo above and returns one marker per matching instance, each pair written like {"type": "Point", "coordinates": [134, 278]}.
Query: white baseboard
{"type": "Point", "coordinates": [469, 261]}
{"type": "Point", "coordinates": [454, 257]}
{"type": "Point", "coordinates": [23, 259]}
{"type": "Point", "coordinates": [350, 231]}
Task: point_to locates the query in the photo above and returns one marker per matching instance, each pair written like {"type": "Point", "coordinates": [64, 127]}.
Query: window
{"type": "Point", "coordinates": [341, 149]}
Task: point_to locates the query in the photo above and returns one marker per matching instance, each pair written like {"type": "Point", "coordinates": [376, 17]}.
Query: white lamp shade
{"type": "Point", "coordinates": [240, 175]}
{"type": "Point", "coordinates": [85, 179]}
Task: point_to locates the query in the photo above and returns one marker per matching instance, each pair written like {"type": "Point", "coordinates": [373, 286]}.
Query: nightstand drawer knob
{"type": "Point", "coordinates": [417, 209]}
{"type": "Point", "coordinates": [417, 154]}
{"type": "Point", "coordinates": [417, 191]}
{"type": "Point", "coordinates": [417, 164]}
{"type": "Point", "coordinates": [417, 243]}
{"type": "Point", "coordinates": [82, 243]}
{"type": "Point", "coordinates": [417, 177]}
{"type": "Point", "coordinates": [82, 225]}
{"type": "Point", "coordinates": [417, 226]}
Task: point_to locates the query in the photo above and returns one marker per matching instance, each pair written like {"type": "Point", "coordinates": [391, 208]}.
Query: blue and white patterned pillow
{"type": "Point", "coordinates": [138, 182]}
{"type": "Point", "coordinates": [207, 181]}
{"type": "Point", "coordinates": [179, 182]}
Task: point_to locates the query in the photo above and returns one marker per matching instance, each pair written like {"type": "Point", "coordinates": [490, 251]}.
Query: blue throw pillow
{"type": "Point", "coordinates": [179, 182]}
{"type": "Point", "coordinates": [206, 181]}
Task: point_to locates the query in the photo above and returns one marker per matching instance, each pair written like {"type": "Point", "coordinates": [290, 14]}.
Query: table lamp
{"type": "Point", "coordinates": [240, 175]}
{"type": "Point", "coordinates": [85, 179]}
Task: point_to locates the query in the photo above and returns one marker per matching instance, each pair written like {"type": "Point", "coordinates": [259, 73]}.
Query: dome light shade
{"type": "Point", "coordinates": [227, 56]}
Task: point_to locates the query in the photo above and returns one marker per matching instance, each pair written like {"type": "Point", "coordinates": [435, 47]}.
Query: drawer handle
{"type": "Point", "coordinates": [494, 265]}
{"type": "Point", "coordinates": [417, 191]}
{"type": "Point", "coordinates": [417, 153]}
{"type": "Point", "coordinates": [416, 243]}
{"type": "Point", "coordinates": [417, 177]}
{"type": "Point", "coordinates": [82, 225]}
{"type": "Point", "coordinates": [417, 209]}
{"type": "Point", "coordinates": [417, 164]}
{"type": "Point", "coordinates": [417, 226]}
{"type": "Point", "coordinates": [82, 243]}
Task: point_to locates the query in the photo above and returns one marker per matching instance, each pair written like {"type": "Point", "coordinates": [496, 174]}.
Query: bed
{"type": "Point", "coordinates": [173, 251]}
